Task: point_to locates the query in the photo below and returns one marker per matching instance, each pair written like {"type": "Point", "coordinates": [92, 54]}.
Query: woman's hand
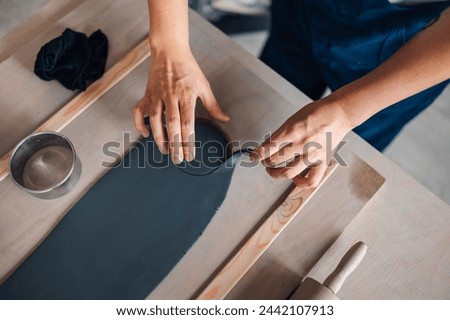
{"type": "Point", "coordinates": [175, 82]}
{"type": "Point", "coordinates": [300, 144]}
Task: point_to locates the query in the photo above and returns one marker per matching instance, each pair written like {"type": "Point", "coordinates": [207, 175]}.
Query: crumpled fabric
{"type": "Point", "coordinates": [73, 59]}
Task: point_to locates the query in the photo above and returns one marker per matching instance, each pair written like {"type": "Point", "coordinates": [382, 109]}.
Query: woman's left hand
{"type": "Point", "coordinates": [304, 142]}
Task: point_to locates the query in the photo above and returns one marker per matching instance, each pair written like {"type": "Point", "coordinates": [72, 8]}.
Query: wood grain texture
{"type": "Point", "coordinates": [259, 241]}
{"type": "Point", "coordinates": [84, 100]}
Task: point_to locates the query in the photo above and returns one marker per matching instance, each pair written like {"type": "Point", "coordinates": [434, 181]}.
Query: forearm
{"type": "Point", "coordinates": [169, 26]}
{"type": "Point", "coordinates": [421, 63]}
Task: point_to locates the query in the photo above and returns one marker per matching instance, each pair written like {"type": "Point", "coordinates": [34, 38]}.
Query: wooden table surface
{"type": "Point", "coordinates": [405, 226]}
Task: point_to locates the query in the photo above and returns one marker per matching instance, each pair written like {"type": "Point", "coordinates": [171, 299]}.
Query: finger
{"type": "Point", "coordinates": [174, 130]}
{"type": "Point", "coordinates": [313, 178]}
{"type": "Point", "coordinates": [285, 155]}
{"type": "Point", "coordinates": [138, 116]}
{"type": "Point", "coordinates": [271, 146]}
{"type": "Point", "coordinates": [212, 106]}
{"type": "Point", "coordinates": [156, 123]}
{"type": "Point", "coordinates": [293, 169]}
{"type": "Point", "coordinates": [187, 114]}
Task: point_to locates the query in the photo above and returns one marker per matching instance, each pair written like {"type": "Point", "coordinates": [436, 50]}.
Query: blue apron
{"type": "Point", "coordinates": [319, 43]}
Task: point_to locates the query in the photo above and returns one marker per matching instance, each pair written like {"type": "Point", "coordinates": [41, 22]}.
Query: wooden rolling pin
{"type": "Point", "coordinates": [311, 289]}
{"type": "Point", "coordinates": [85, 99]}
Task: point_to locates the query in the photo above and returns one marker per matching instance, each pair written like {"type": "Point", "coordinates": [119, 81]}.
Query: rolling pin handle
{"type": "Point", "coordinates": [346, 266]}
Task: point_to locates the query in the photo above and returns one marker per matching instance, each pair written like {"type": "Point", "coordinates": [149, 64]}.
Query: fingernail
{"type": "Point", "coordinates": [177, 159]}
{"type": "Point", "coordinates": [190, 156]}
{"type": "Point", "coordinates": [253, 157]}
{"type": "Point", "coordinates": [163, 149]}
{"type": "Point", "coordinates": [268, 164]}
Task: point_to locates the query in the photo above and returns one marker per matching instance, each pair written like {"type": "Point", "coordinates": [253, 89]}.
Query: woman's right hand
{"type": "Point", "coordinates": [175, 82]}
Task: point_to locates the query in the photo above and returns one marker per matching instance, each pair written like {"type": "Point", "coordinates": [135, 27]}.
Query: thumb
{"type": "Point", "coordinates": [212, 106]}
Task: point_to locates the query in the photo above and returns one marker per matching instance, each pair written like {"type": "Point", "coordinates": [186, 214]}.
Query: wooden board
{"type": "Point", "coordinates": [407, 256]}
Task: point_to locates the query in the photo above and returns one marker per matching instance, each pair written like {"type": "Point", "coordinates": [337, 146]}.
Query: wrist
{"type": "Point", "coordinates": [358, 101]}
{"type": "Point", "coordinates": [168, 47]}
{"type": "Point", "coordinates": [341, 112]}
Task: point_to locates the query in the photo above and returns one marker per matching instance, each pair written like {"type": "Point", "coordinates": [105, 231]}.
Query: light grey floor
{"type": "Point", "coordinates": [422, 149]}
{"type": "Point", "coordinates": [12, 12]}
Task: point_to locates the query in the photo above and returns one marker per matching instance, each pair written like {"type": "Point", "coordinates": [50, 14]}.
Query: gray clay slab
{"type": "Point", "coordinates": [127, 232]}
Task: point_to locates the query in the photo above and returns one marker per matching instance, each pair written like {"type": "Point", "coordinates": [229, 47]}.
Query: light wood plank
{"type": "Point", "coordinates": [259, 241]}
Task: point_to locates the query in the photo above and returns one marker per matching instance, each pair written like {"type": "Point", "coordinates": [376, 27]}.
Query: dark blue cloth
{"type": "Point", "coordinates": [73, 59]}
{"type": "Point", "coordinates": [319, 43]}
